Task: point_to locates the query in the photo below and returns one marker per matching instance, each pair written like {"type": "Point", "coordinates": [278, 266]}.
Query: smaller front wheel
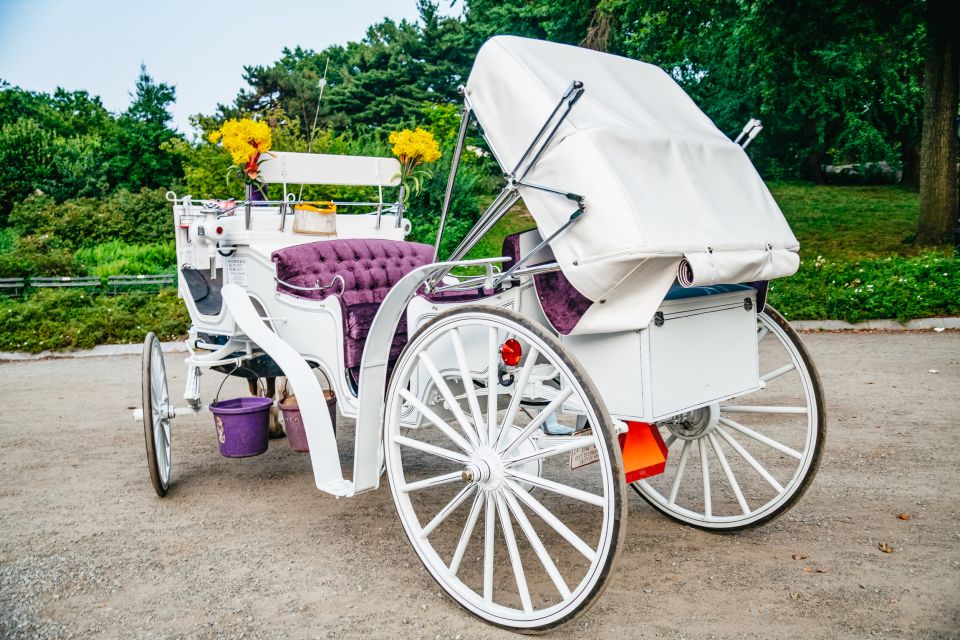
{"type": "Point", "coordinates": [157, 412]}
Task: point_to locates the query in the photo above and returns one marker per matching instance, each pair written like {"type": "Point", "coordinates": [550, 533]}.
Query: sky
{"type": "Point", "coordinates": [199, 46]}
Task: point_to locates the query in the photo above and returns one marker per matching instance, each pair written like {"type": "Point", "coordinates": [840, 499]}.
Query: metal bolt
{"type": "Point", "coordinates": [467, 475]}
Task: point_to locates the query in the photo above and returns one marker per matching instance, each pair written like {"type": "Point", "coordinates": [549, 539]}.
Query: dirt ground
{"type": "Point", "coordinates": [249, 548]}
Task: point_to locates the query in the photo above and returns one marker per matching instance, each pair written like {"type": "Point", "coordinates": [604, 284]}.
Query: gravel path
{"type": "Point", "coordinates": [250, 549]}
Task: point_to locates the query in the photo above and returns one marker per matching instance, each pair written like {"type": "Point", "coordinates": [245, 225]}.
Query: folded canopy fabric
{"type": "Point", "coordinates": [660, 182]}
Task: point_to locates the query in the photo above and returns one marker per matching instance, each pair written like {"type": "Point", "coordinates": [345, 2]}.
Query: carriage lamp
{"type": "Point", "coordinates": [511, 352]}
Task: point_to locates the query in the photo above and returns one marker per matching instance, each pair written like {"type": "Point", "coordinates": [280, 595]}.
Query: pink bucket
{"type": "Point", "coordinates": [293, 421]}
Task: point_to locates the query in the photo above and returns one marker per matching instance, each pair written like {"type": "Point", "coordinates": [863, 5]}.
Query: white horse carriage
{"type": "Point", "coordinates": [511, 406]}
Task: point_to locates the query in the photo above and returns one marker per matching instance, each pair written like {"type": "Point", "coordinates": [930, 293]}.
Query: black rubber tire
{"type": "Point", "coordinates": [152, 464]}
{"type": "Point", "coordinates": [821, 428]}
{"type": "Point", "coordinates": [611, 443]}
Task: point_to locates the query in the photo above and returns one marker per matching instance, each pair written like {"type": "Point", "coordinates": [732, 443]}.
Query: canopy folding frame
{"type": "Point", "coordinates": [664, 192]}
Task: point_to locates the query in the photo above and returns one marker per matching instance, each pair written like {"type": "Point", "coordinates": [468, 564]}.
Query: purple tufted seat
{"type": "Point", "coordinates": [369, 269]}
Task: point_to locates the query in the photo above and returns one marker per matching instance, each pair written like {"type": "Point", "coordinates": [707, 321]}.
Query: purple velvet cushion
{"type": "Point", "coordinates": [561, 302]}
{"type": "Point", "coordinates": [369, 269]}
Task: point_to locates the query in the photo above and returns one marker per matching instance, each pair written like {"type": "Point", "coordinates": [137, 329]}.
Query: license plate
{"type": "Point", "coordinates": [586, 455]}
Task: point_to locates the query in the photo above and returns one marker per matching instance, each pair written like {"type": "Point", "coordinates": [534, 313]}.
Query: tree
{"type": "Point", "coordinates": [382, 80]}
{"type": "Point", "coordinates": [938, 150]}
{"type": "Point", "coordinates": [135, 154]}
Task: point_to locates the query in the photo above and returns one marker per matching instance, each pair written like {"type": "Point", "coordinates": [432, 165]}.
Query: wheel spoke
{"type": "Point", "coordinates": [727, 471]}
{"type": "Point", "coordinates": [467, 377]}
{"type": "Point", "coordinates": [489, 525]}
{"type": "Point", "coordinates": [539, 454]}
{"type": "Point", "coordinates": [447, 510]}
{"type": "Point", "coordinates": [436, 420]}
{"type": "Point", "coordinates": [759, 437]}
{"type": "Point", "coordinates": [534, 505]}
{"type": "Point", "coordinates": [762, 333]}
{"type": "Point", "coordinates": [440, 452]}
{"type": "Point", "coordinates": [435, 481]}
{"type": "Point", "coordinates": [556, 487]}
{"type": "Point", "coordinates": [444, 390]}
{"type": "Point", "coordinates": [736, 446]}
{"type": "Point", "coordinates": [705, 473]}
{"type": "Point", "coordinates": [493, 384]}
{"type": "Point", "coordinates": [467, 532]}
{"type": "Point", "coordinates": [514, 553]}
{"type": "Point", "coordinates": [547, 411]}
{"type": "Point", "coordinates": [746, 408]}
{"type": "Point", "coordinates": [684, 454]}
{"type": "Point", "coordinates": [537, 545]}
{"type": "Point", "coordinates": [669, 440]}
{"type": "Point", "coordinates": [773, 375]}
{"type": "Point", "coordinates": [515, 400]}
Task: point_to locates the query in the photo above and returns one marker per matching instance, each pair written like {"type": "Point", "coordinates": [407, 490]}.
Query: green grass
{"type": "Point", "coordinates": [850, 222]}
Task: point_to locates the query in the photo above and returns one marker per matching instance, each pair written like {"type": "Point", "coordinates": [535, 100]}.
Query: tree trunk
{"type": "Point", "coordinates": [938, 149]}
{"type": "Point", "coordinates": [911, 166]}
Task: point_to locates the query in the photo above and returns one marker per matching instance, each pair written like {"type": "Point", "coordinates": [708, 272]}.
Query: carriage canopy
{"type": "Point", "coordinates": [661, 184]}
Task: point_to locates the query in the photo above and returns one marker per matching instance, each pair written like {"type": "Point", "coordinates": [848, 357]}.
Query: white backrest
{"type": "Point", "coordinates": [286, 167]}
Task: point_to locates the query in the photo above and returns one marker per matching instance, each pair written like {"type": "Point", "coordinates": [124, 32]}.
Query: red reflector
{"type": "Point", "coordinates": [511, 352]}
{"type": "Point", "coordinates": [219, 231]}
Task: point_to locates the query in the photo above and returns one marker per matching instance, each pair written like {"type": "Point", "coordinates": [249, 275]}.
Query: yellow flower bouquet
{"type": "Point", "coordinates": [246, 141]}
{"type": "Point", "coordinates": [414, 148]}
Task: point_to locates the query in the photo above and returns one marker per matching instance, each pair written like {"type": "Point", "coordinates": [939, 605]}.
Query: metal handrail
{"type": "Point", "coordinates": [317, 286]}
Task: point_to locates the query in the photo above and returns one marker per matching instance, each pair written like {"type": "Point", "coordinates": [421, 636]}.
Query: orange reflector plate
{"type": "Point", "coordinates": [644, 453]}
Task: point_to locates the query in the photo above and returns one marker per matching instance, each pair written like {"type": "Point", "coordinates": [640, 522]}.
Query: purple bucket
{"type": "Point", "coordinates": [293, 421]}
{"type": "Point", "coordinates": [242, 425]}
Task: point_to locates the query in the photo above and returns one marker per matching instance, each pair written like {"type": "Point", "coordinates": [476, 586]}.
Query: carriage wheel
{"type": "Point", "coordinates": [156, 415]}
{"type": "Point", "coordinates": [489, 501]}
{"type": "Point", "coordinates": [743, 462]}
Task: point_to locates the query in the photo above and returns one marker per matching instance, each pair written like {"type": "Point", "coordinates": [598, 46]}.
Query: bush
{"type": "Point", "coordinates": [142, 217]}
{"type": "Point", "coordinates": [58, 319]}
{"type": "Point", "coordinates": [41, 255]}
{"type": "Point", "coordinates": [921, 286]}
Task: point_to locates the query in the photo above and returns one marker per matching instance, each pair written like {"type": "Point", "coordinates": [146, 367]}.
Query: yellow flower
{"type": "Point", "coordinates": [415, 146]}
{"type": "Point", "coordinates": [243, 139]}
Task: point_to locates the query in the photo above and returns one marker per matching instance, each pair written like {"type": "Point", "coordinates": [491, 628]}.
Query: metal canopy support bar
{"type": "Point", "coordinates": [454, 166]}
{"type": "Point", "coordinates": [501, 204]}
{"type": "Point", "coordinates": [570, 97]}
{"type": "Point", "coordinates": [511, 272]}
{"type": "Point", "coordinates": [510, 194]}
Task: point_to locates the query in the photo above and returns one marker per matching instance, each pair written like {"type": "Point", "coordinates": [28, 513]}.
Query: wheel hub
{"type": "Point", "coordinates": [693, 425]}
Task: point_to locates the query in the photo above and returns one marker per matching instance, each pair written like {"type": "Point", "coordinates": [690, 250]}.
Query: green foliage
{"type": "Point", "coordinates": [119, 258]}
{"type": "Point", "coordinates": [834, 81]}
{"type": "Point", "coordinates": [898, 287]}
{"type": "Point", "coordinates": [63, 319]}
{"type": "Point", "coordinates": [141, 217]}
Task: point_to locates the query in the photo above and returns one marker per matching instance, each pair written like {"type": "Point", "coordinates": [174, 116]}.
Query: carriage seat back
{"type": "Point", "coordinates": [368, 268]}
{"type": "Point", "coordinates": [287, 167]}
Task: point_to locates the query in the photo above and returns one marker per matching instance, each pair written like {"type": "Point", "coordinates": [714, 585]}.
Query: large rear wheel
{"type": "Point", "coordinates": [485, 488]}
{"type": "Point", "coordinates": [741, 463]}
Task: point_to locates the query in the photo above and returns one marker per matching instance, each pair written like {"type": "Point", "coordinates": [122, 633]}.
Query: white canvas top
{"type": "Point", "coordinates": [660, 181]}
{"type": "Point", "coordinates": [287, 167]}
